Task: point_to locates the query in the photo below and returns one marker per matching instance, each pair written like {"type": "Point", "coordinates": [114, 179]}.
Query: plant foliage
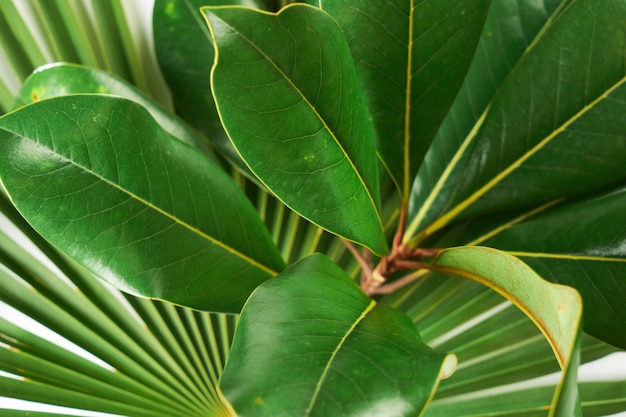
{"type": "Point", "coordinates": [348, 208]}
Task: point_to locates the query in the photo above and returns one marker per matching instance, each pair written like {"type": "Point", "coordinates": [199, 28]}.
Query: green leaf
{"type": "Point", "coordinates": [508, 34]}
{"type": "Point", "coordinates": [311, 343]}
{"type": "Point", "coordinates": [185, 53]}
{"type": "Point", "coordinates": [411, 57]}
{"type": "Point", "coordinates": [290, 100]}
{"type": "Point", "coordinates": [553, 130]}
{"type": "Point", "coordinates": [64, 79]}
{"type": "Point", "coordinates": [580, 244]}
{"type": "Point", "coordinates": [99, 178]}
{"type": "Point", "coordinates": [555, 309]}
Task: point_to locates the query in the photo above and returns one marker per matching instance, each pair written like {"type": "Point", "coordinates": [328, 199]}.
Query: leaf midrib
{"type": "Point", "coordinates": [304, 98]}
{"type": "Point", "coordinates": [415, 224]}
{"type": "Point", "coordinates": [157, 209]}
{"type": "Point", "coordinates": [407, 108]}
{"type": "Point", "coordinates": [443, 220]}
{"type": "Point", "coordinates": [333, 356]}
{"type": "Point", "coordinates": [566, 256]}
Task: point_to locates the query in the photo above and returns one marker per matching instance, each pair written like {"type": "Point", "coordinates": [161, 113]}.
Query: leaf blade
{"type": "Point", "coordinates": [145, 192]}
{"type": "Point", "coordinates": [336, 322]}
{"type": "Point", "coordinates": [321, 162]}
{"type": "Point", "coordinates": [410, 66]}
{"type": "Point", "coordinates": [504, 162]}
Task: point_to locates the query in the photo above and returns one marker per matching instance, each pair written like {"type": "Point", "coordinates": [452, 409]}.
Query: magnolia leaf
{"type": "Point", "coordinates": [552, 130]}
{"type": "Point", "coordinates": [289, 98]}
{"type": "Point", "coordinates": [411, 57]}
{"type": "Point", "coordinates": [64, 79]}
{"type": "Point", "coordinates": [311, 343]}
{"type": "Point", "coordinates": [554, 308]}
{"type": "Point", "coordinates": [100, 179]}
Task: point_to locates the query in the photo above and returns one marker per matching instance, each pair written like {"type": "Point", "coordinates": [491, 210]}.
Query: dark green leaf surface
{"type": "Point", "coordinates": [290, 100]}
{"type": "Point", "coordinates": [553, 130]}
{"type": "Point", "coordinates": [509, 30]}
{"type": "Point", "coordinates": [412, 57]}
{"type": "Point", "coordinates": [311, 343]}
{"type": "Point", "coordinates": [580, 244]}
{"type": "Point", "coordinates": [99, 178]}
{"type": "Point", "coordinates": [65, 79]}
{"type": "Point", "coordinates": [185, 53]}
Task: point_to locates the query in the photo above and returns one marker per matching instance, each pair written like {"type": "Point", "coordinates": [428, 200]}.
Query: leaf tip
{"type": "Point", "coordinates": [448, 367]}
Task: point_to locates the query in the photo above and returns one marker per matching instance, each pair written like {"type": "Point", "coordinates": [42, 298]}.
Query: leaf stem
{"type": "Point", "coordinates": [405, 280]}
{"type": "Point", "coordinates": [401, 258]}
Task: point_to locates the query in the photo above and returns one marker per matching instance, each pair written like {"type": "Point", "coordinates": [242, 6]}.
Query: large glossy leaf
{"type": "Point", "coordinates": [311, 343]}
{"type": "Point", "coordinates": [412, 57]}
{"type": "Point", "coordinates": [580, 244]}
{"type": "Point", "coordinates": [98, 177]}
{"type": "Point", "coordinates": [554, 308]}
{"type": "Point", "coordinates": [185, 53]}
{"type": "Point", "coordinates": [553, 129]}
{"type": "Point", "coordinates": [290, 100]}
{"type": "Point", "coordinates": [63, 79]}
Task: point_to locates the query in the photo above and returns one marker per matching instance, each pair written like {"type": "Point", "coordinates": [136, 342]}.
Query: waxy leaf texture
{"type": "Point", "coordinates": [100, 179]}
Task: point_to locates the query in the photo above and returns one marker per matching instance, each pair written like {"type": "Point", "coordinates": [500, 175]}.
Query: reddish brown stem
{"type": "Point", "coordinates": [405, 280]}
{"type": "Point", "coordinates": [401, 258]}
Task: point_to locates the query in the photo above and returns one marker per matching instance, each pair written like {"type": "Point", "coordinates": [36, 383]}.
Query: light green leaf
{"type": "Point", "coordinates": [411, 57]}
{"type": "Point", "coordinates": [99, 178]}
{"type": "Point", "coordinates": [289, 98]}
{"type": "Point", "coordinates": [311, 343]}
{"type": "Point", "coordinates": [552, 130]}
{"type": "Point", "coordinates": [581, 244]}
{"type": "Point", "coordinates": [555, 309]}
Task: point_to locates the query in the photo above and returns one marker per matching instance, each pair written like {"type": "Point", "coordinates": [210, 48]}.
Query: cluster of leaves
{"type": "Point", "coordinates": [465, 146]}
